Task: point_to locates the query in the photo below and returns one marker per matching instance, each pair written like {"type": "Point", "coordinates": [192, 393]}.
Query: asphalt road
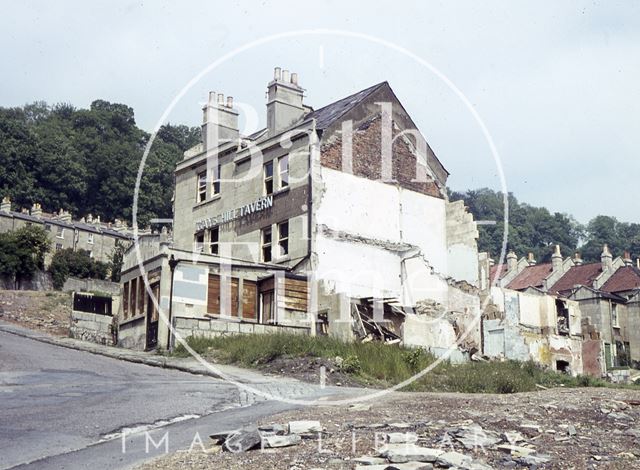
{"type": "Point", "coordinates": [57, 406]}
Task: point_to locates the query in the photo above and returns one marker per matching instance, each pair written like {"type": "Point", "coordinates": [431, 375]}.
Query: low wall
{"type": "Point", "coordinates": [92, 327]}
{"type": "Point", "coordinates": [133, 334]}
{"type": "Point", "coordinates": [211, 327]}
{"type": "Point", "coordinates": [75, 284]}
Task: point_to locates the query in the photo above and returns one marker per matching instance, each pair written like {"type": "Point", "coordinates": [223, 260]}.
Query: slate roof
{"type": "Point", "coordinates": [624, 279]}
{"type": "Point", "coordinates": [531, 276]}
{"type": "Point", "coordinates": [330, 113]}
{"type": "Point", "coordinates": [577, 276]}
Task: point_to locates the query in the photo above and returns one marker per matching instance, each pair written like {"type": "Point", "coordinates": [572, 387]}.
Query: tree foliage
{"type": "Point", "coordinates": [86, 160]}
{"type": "Point", "coordinates": [537, 230]}
{"type": "Point", "coordinates": [22, 252]}
{"type": "Point", "coordinates": [78, 263]}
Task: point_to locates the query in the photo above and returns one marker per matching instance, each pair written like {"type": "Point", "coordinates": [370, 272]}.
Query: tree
{"type": "Point", "coordinates": [116, 260]}
{"type": "Point", "coordinates": [22, 252]}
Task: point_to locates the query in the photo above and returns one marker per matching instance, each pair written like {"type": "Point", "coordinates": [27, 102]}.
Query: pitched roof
{"type": "Point", "coordinates": [494, 270]}
{"type": "Point", "coordinates": [583, 275]}
{"type": "Point", "coordinates": [624, 279]}
{"type": "Point", "coordinates": [531, 276]}
{"type": "Point", "coordinates": [330, 113]}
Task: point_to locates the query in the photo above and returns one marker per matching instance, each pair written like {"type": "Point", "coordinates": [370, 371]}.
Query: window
{"type": "Point", "coordinates": [133, 288]}
{"type": "Point", "coordinates": [58, 246]}
{"type": "Point", "coordinates": [215, 184]}
{"type": "Point", "coordinates": [47, 227]}
{"type": "Point", "coordinates": [91, 254]}
{"type": "Point", "coordinates": [268, 178]}
{"type": "Point", "coordinates": [614, 315]}
{"type": "Point", "coordinates": [90, 238]}
{"type": "Point", "coordinates": [214, 241]}
{"type": "Point", "coordinates": [202, 187]}
{"type": "Point", "coordinates": [198, 242]}
{"type": "Point", "coordinates": [283, 171]}
{"type": "Point", "coordinates": [267, 307]}
{"type": "Point", "coordinates": [266, 244]}
{"type": "Point", "coordinates": [141, 297]}
{"type": "Point", "coordinates": [60, 232]}
{"type": "Point", "coordinates": [283, 238]}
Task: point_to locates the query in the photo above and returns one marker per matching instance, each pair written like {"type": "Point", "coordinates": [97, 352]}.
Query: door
{"type": "Point", "coordinates": [152, 317]}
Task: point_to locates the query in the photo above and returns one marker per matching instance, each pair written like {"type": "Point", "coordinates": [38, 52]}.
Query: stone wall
{"type": "Point", "coordinates": [92, 327]}
{"type": "Point", "coordinates": [74, 284]}
{"type": "Point", "coordinates": [210, 328]}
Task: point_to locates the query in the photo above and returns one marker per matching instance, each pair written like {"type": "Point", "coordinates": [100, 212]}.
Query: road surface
{"type": "Point", "coordinates": [63, 408]}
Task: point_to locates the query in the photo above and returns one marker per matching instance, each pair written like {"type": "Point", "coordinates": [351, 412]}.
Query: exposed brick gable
{"type": "Point", "coordinates": [367, 158]}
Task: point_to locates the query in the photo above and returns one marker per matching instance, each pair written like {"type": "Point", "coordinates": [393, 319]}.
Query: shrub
{"type": "Point", "coordinates": [67, 263]}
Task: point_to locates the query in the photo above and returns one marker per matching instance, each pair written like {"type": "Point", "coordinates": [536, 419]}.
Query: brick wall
{"type": "Point", "coordinates": [367, 158]}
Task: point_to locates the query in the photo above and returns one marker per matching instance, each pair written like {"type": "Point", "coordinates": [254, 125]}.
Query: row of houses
{"type": "Point", "coordinates": [98, 238]}
{"type": "Point", "coordinates": [598, 303]}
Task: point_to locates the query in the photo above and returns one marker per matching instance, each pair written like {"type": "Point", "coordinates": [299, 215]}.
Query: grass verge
{"type": "Point", "coordinates": [382, 365]}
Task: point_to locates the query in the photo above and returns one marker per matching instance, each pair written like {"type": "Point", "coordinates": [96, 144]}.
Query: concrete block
{"type": "Point", "coordinates": [233, 327]}
{"type": "Point", "coordinates": [204, 325]}
{"type": "Point", "coordinates": [246, 328]}
{"type": "Point", "coordinates": [217, 325]}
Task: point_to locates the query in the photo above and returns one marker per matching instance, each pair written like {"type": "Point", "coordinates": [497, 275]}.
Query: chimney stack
{"type": "Point", "coordinates": [556, 259]}
{"type": "Point", "coordinates": [284, 101]}
{"type": "Point", "coordinates": [36, 210]}
{"type": "Point", "coordinates": [627, 259]}
{"type": "Point", "coordinates": [64, 216]}
{"type": "Point", "coordinates": [6, 204]}
{"type": "Point", "coordinates": [577, 260]}
{"type": "Point", "coordinates": [606, 258]}
{"type": "Point", "coordinates": [531, 259]}
{"type": "Point", "coordinates": [219, 121]}
{"type": "Point", "coordinates": [512, 261]}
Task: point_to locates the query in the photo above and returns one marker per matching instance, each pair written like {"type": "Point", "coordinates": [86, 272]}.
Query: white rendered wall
{"type": "Point", "coordinates": [375, 219]}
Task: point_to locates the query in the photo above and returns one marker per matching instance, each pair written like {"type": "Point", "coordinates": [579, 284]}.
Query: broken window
{"type": "Point", "coordinates": [198, 242]}
{"type": "Point", "coordinates": [214, 240]}
{"type": "Point", "coordinates": [268, 178]}
{"type": "Point", "coordinates": [563, 366]}
{"type": "Point", "coordinates": [614, 315]}
{"type": "Point", "coordinates": [215, 184]}
{"type": "Point", "coordinates": [322, 324]}
{"type": "Point", "coordinates": [202, 187]}
{"type": "Point", "coordinates": [283, 171]}
{"type": "Point", "coordinates": [266, 244]}
{"type": "Point", "coordinates": [562, 311]}
{"type": "Point", "coordinates": [283, 238]}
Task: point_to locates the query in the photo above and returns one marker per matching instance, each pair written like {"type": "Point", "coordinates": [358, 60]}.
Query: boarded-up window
{"type": "Point", "coordinates": [133, 289]}
{"type": "Point", "coordinates": [267, 306]}
{"type": "Point", "coordinates": [125, 299]}
{"type": "Point", "coordinates": [249, 299]}
{"type": "Point", "coordinates": [215, 295]}
{"type": "Point", "coordinates": [295, 295]}
{"type": "Point", "coordinates": [141, 296]}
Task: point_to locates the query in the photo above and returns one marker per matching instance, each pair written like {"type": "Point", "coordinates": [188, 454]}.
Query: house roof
{"type": "Point", "coordinates": [624, 279]}
{"type": "Point", "coordinates": [583, 275]}
{"type": "Point", "coordinates": [494, 270]}
{"type": "Point", "coordinates": [330, 113]}
{"type": "Point", "coordinates": [531, 276]}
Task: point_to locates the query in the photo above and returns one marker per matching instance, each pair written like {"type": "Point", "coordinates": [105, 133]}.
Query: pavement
{"type": "Point", "coordinates": [65, 403]}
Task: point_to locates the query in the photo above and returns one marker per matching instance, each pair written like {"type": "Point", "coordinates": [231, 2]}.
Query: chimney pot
{"type": "Point", "coordinates": [6, 204]}
{"type": "Point", "coordinates": [229, 101]}
{"type": "Point", "coordinates": [285, 76]}
{"type": "Point", "coordinates": [220, 99]}
{"type": "Point", "coordinates": [531, 259]}
{"type": "Point", "coordinates": [276, 73]}
{"type": "Point", "coordinates": [212, 97]}
{"type": "Point", "coordinates": [294, 78]}
{"type": "Point", "coordinates": [512, 261]}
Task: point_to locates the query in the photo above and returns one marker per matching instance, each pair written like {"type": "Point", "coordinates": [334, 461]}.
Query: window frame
{"type": "Point", "coordinates": [266, 247]}
{"type": "Point", "coordinates": [211, 242]}
{"type": "Point", "coordinates": [283, 252]}
{"type": "Point", "coordinates": [268, 180]}
{"type": "Point", "coordinates": [90, 239]}
{"type": "Point", "coordinates": [60, 232]}
{"type": "Point", "coordinates": [198, 246]}
{"type": "Point", "coordinates": [215, 181]}
{"type": "Point", "coordinates": [615, 315]}
{"type": "Point", "coordinates": [201, 186]}
{"type": "Point", "coordinates": [283, 182]}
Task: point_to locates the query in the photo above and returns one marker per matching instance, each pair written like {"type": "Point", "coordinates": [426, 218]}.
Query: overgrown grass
{"type": "Point", "coordinates": [383, 365]}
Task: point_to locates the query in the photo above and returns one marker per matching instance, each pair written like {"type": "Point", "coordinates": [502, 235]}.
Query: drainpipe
{"type": "Point", "coordinates": [173, 262]}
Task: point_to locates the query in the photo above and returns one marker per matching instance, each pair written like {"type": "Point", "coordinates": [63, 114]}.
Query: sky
{"type": "Point", "coordinates": [555, 83]}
